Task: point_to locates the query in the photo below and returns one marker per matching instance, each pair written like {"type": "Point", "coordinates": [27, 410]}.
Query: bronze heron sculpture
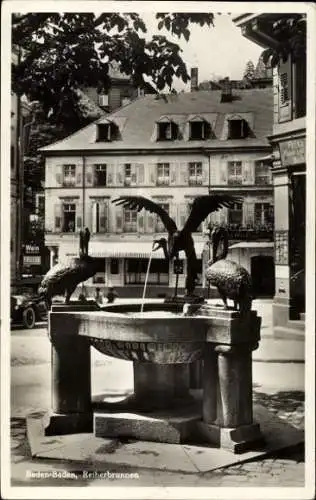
{"type": "Point", "coordinates": [180, 239]}
{"type": "Point", "coordinates": [232, 281]}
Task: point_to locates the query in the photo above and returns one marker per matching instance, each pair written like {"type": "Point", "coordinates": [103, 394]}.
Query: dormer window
{"type": "Point", "coordinates": [199, 129]}
{"type": "Point", "coordinates": [106, 132]}
{"type": "Point", "coordinates": [167, 130]}
{"type": "Point", "coordinates": [237, 128]}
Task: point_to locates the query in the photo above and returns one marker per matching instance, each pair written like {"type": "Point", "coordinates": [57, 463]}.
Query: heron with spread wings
{"type": "Point", "coordinates": [180, 239]}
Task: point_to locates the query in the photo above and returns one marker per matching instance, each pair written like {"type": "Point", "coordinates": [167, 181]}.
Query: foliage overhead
{"type": "Point", "coordinates": [63, 52]}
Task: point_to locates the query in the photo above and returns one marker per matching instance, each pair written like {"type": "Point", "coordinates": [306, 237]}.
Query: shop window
{"type": "Point", "coordinates": [69, 177]}
{"type": "Point", "coordinates": [114, 266]}
{"type": "Point", "coordinates": [235, 172]}
{"type": "Point", "coordinates": [163, 174]}
{"type": "Point", "coordinates": [195, 174]}
{"type": "Point", "coordinates": [136, 269]}
{"type": "Point", "coordinates": [100, 175]}
{"type": "Point", "coordinates": [235, 215]}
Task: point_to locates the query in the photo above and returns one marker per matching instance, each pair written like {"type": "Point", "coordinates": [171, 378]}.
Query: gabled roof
{"type": "Point", "coordinates": [138, 118]}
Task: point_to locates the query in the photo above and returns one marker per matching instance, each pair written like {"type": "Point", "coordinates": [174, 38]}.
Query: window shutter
{"type": "Point", "coordinates": [89, 175]}
{"type": "Point", "coordinates": [140, 222]}
{"type": "Point", "coordinates": [102, 217]}
{"type": "Point", "coordinates": [78, 219]}
{"type": "Point", "coordinates": [248, 214]}
{"type": "Point", "coordinates": [285, 90]}
{"type": "Point", "coordinates": [173, 173]}
{"type": "Point", "coordinates": [59, 175]}
{"type": "Point", "coordinates": [246, 177]}
{"type": "Point", "coordinates": [149, 222]}
{"type": "Point", "coordinates": [223, 172]}
{"type": "Point", "coordinates": [78, 175]}
{"type": "Point", "coordinates": [120, 174]}
{"type": "Point", "coordinates": [119, 219]}
{"type": "Point", "coordinates": [183, 214]}
{"type": "Point", "coordinates": [205, 174]}
{"type": "Point", "coordinates": [140, 173]}
{"type": "Point", "coordinates": [133, 174]}
{"type": "Point", "coordinates": [58, 217]}
{"type": "Point", "coordinates": [110, 172]}
{"type": "Point", "coordinates": [184, 177]}
{"type": "Point", "coordinates": [214, 173]}
{"type": "Point", "coordinates": [94, 217]}
{"type": "Point", "coordinates": [152, 174]}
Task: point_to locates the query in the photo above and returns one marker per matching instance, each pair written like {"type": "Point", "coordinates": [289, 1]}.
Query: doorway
{"type": "Point", "coordinates": [262, 274]}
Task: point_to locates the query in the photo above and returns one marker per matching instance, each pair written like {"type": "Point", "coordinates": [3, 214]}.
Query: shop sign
{"type": "Point", "coordinates": [292, 151]}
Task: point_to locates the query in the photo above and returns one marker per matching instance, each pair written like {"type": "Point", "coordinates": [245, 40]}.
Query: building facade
{"type": "Point", "coordinates": [274, 32]}
{"type": "Point", "coordinates": [170, 149]}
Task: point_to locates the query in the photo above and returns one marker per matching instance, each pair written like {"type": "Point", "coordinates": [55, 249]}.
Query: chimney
{"type": "Point", "coordinates": [194, 79]}
{"type": "Point", "coordinates": [227, 95]}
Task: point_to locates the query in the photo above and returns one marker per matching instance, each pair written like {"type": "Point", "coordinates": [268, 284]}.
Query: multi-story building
{"type": "Point", "coordinates": [274, 31]}
{"type": "Point", "coordinates": [20, 117]}
{"type": "Point", "coordinates": [170, 149]}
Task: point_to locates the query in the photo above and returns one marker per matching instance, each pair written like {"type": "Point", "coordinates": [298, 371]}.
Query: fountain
{"type": "Point", "coordinates": [163, 340]}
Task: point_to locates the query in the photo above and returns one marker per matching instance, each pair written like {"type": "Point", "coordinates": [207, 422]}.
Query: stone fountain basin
{"type": "Point", "coordinates": [161, 334]}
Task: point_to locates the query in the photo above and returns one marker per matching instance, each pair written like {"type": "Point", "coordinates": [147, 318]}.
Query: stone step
{"type": "Point", "coordinates": [297, 324]}
{"type": "Point", "coordinates": [283, 332]}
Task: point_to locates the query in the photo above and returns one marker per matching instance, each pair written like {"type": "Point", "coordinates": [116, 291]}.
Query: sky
{"type": "Point", "coordinates": [220, 50]}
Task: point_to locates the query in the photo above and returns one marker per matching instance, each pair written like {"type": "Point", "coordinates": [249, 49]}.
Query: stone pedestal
{"type": "Point", "coordinates": [227, 380]}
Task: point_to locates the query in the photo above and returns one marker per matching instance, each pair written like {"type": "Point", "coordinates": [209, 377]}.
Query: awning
{"type": "Point", "coordinates": [253, 244]}
{"type": "Point", "coordinates": [133, 249]}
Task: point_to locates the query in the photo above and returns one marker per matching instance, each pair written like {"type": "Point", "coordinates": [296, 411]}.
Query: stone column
{"type": "Point", "coordinates": [71, 409]}
{"type": "Point", "coordinates": [227, 380]}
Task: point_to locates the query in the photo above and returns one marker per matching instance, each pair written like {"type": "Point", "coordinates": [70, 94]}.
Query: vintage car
{"type": "Point", "coordinates": [26, 309]}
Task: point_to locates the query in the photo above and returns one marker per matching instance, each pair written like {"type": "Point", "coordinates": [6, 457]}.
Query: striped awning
{"type": "Point", "coordinates": [132, 249]}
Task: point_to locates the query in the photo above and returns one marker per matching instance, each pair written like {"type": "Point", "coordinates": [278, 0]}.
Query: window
{"type": "Point", "coordinates": [199, 130]}
{"type": "Point", "coordinates": [235, 215]}
{"type": "Point", "coordinates": [284, 88]}
{"type": "Point", "coordinates": [114, 266]}
{"type": "Point", "coordinates": [163, 173]}
{"type": "Point", "coordinates": [237, 129]}
{"type": "Point", "coordinates": [100, 175]}
{"type": "Point", "coordinates": [106, 132]}
{"type": "Point", "coordinates": [234, 172]}
{"type": "Point", "coordinates": [69, 175]}
{"type": "Point", "coordinates": [135, 271]}
{"type": "Point", "coordinates": [300, 88]}
{"type": "Point", "coordinates": [195, 173]}
{"type": "Point", "coordinates": [127, 174]}
{"type": "Point", "coordinates": [167, 131]}
{"type": "Point", "coordinates": [99, 221]}
{"type": "Point", "coordinates": [262, 173]}
{"type": "Point", "coordinates": [69, 218]}
{"type": "Point", "coordinates": [159, 227]}
{"type": "Point", "coordinates": [130, 221]}
{"type": "Point", "coordinates": [263, 214]}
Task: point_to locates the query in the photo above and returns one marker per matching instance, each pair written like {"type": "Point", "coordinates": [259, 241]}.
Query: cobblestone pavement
{"type": "Point", "coordinates": [284, 469]}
